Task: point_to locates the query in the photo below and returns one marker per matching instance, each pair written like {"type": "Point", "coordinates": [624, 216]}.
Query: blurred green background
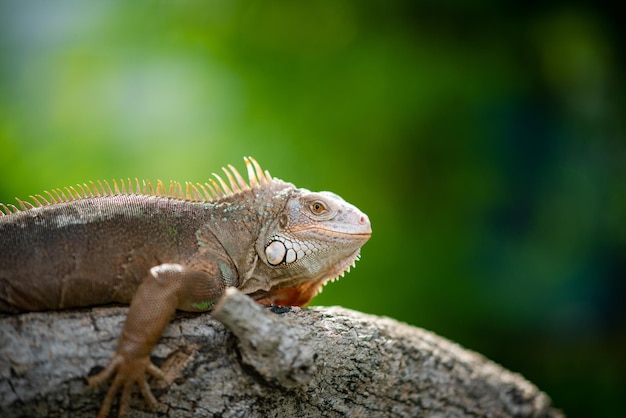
{"type": "Point", "coordinates": [485, 140]}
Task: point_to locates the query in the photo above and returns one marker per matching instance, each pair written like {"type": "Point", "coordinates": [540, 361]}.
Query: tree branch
{"type": "Point", "coordinates": [276, 362]}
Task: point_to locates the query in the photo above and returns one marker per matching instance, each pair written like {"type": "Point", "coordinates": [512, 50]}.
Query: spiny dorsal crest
{"type": "Point", "coordinates": [208, 192]}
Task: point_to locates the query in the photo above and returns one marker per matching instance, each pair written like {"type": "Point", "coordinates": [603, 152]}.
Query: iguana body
{"type": "Point", "coordinates": [162, 251]}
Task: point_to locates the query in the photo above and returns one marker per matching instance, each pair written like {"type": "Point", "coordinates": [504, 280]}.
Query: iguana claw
{"type": "Point", "coordinates": [127, 372]}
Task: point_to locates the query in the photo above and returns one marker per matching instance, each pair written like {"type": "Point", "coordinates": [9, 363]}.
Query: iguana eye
{"type": "Point", "coordinates": [318, 207]}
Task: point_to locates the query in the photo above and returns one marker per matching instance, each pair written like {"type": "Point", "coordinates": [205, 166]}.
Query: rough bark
{"type": "Point", "coordinates": [329, 362]}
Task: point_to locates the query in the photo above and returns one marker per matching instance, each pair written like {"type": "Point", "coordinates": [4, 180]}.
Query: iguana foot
{"type": "Point", "coordinates": [126, 372]}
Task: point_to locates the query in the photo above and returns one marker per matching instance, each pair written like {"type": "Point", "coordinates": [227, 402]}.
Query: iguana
{"type": "Point", "coordinates": [166, 248]}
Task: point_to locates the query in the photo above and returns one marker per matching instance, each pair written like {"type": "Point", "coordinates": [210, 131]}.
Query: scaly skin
{"type": "Point", "coordinates": [163, 251]}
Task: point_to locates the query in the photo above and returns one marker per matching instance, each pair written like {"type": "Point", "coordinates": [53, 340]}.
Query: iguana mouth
{"type": "Point", "coordinates": [331, 231]}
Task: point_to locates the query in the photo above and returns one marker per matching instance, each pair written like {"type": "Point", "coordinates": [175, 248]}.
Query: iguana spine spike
{"type": "Point", "coordinates": [94, 189]}
{"type": "Point", "coordinates": [101, 189]}
{"type": "Point", "coordinates": [231, 179]}
{"type": "Point", "coordinates": [86, 190]}
{"type": "Point", "coordinates": [173, 190]}
{"type": "Point", "coordinates": [81, 192]}
{"type": "Point", "coordinates": [242, 183]}
{"type": "Point", "coordinates": [199, 195]}
{"type": "Point", "coordinates": [13, 208]}
{"type": "Point", "coordinates": [34, 199]}
{"type": "Point", "coordinates": [69, 192]}
{"type": "Point", "coordinates": [176, 190]}
{"type": "Point", "coordinates": [62, 195]}
{"type": "Point", "coordinates": [259, 172]}
{"type": "Point", "coordinates": [160, 189]}
{"type": "Point", "coordinates": [208, 196]}
{"type": "Point", "coordinates": [45, 201]}
{"type": "Point", "coordinates": [225, 188]}
{"type": "Point", "coordinates": [52, 199]}
{"type": "Point", "coordinates": [216, 189]}
{"type": "Point", "coordinates": [4, 210]}
{"type": "Point", "coordinates": [254, 183]}
{"type": "Point", "coordinates": [147, 185]}
{"type": "Point", "coordinates": [22, 204]}
{"type": "Point", "coordinates": [57, 195]}
{"type": "Point", "coordinates": [188, 192]}
{"type": "Point", "coordinates": [212, 190]}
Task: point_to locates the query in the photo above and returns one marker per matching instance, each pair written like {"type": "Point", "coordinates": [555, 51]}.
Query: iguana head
{"type": "Point", "coordinates": [302, 239]}
{"type": "Point", "coordinates": [316, 238]}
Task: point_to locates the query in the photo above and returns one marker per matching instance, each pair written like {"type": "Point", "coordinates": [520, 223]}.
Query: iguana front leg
{"type": "Point", "coordinates": [166, 288]}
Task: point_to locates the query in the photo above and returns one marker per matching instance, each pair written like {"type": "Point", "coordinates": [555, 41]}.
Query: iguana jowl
{"type": "Point", "coordinates": [162, 250]}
